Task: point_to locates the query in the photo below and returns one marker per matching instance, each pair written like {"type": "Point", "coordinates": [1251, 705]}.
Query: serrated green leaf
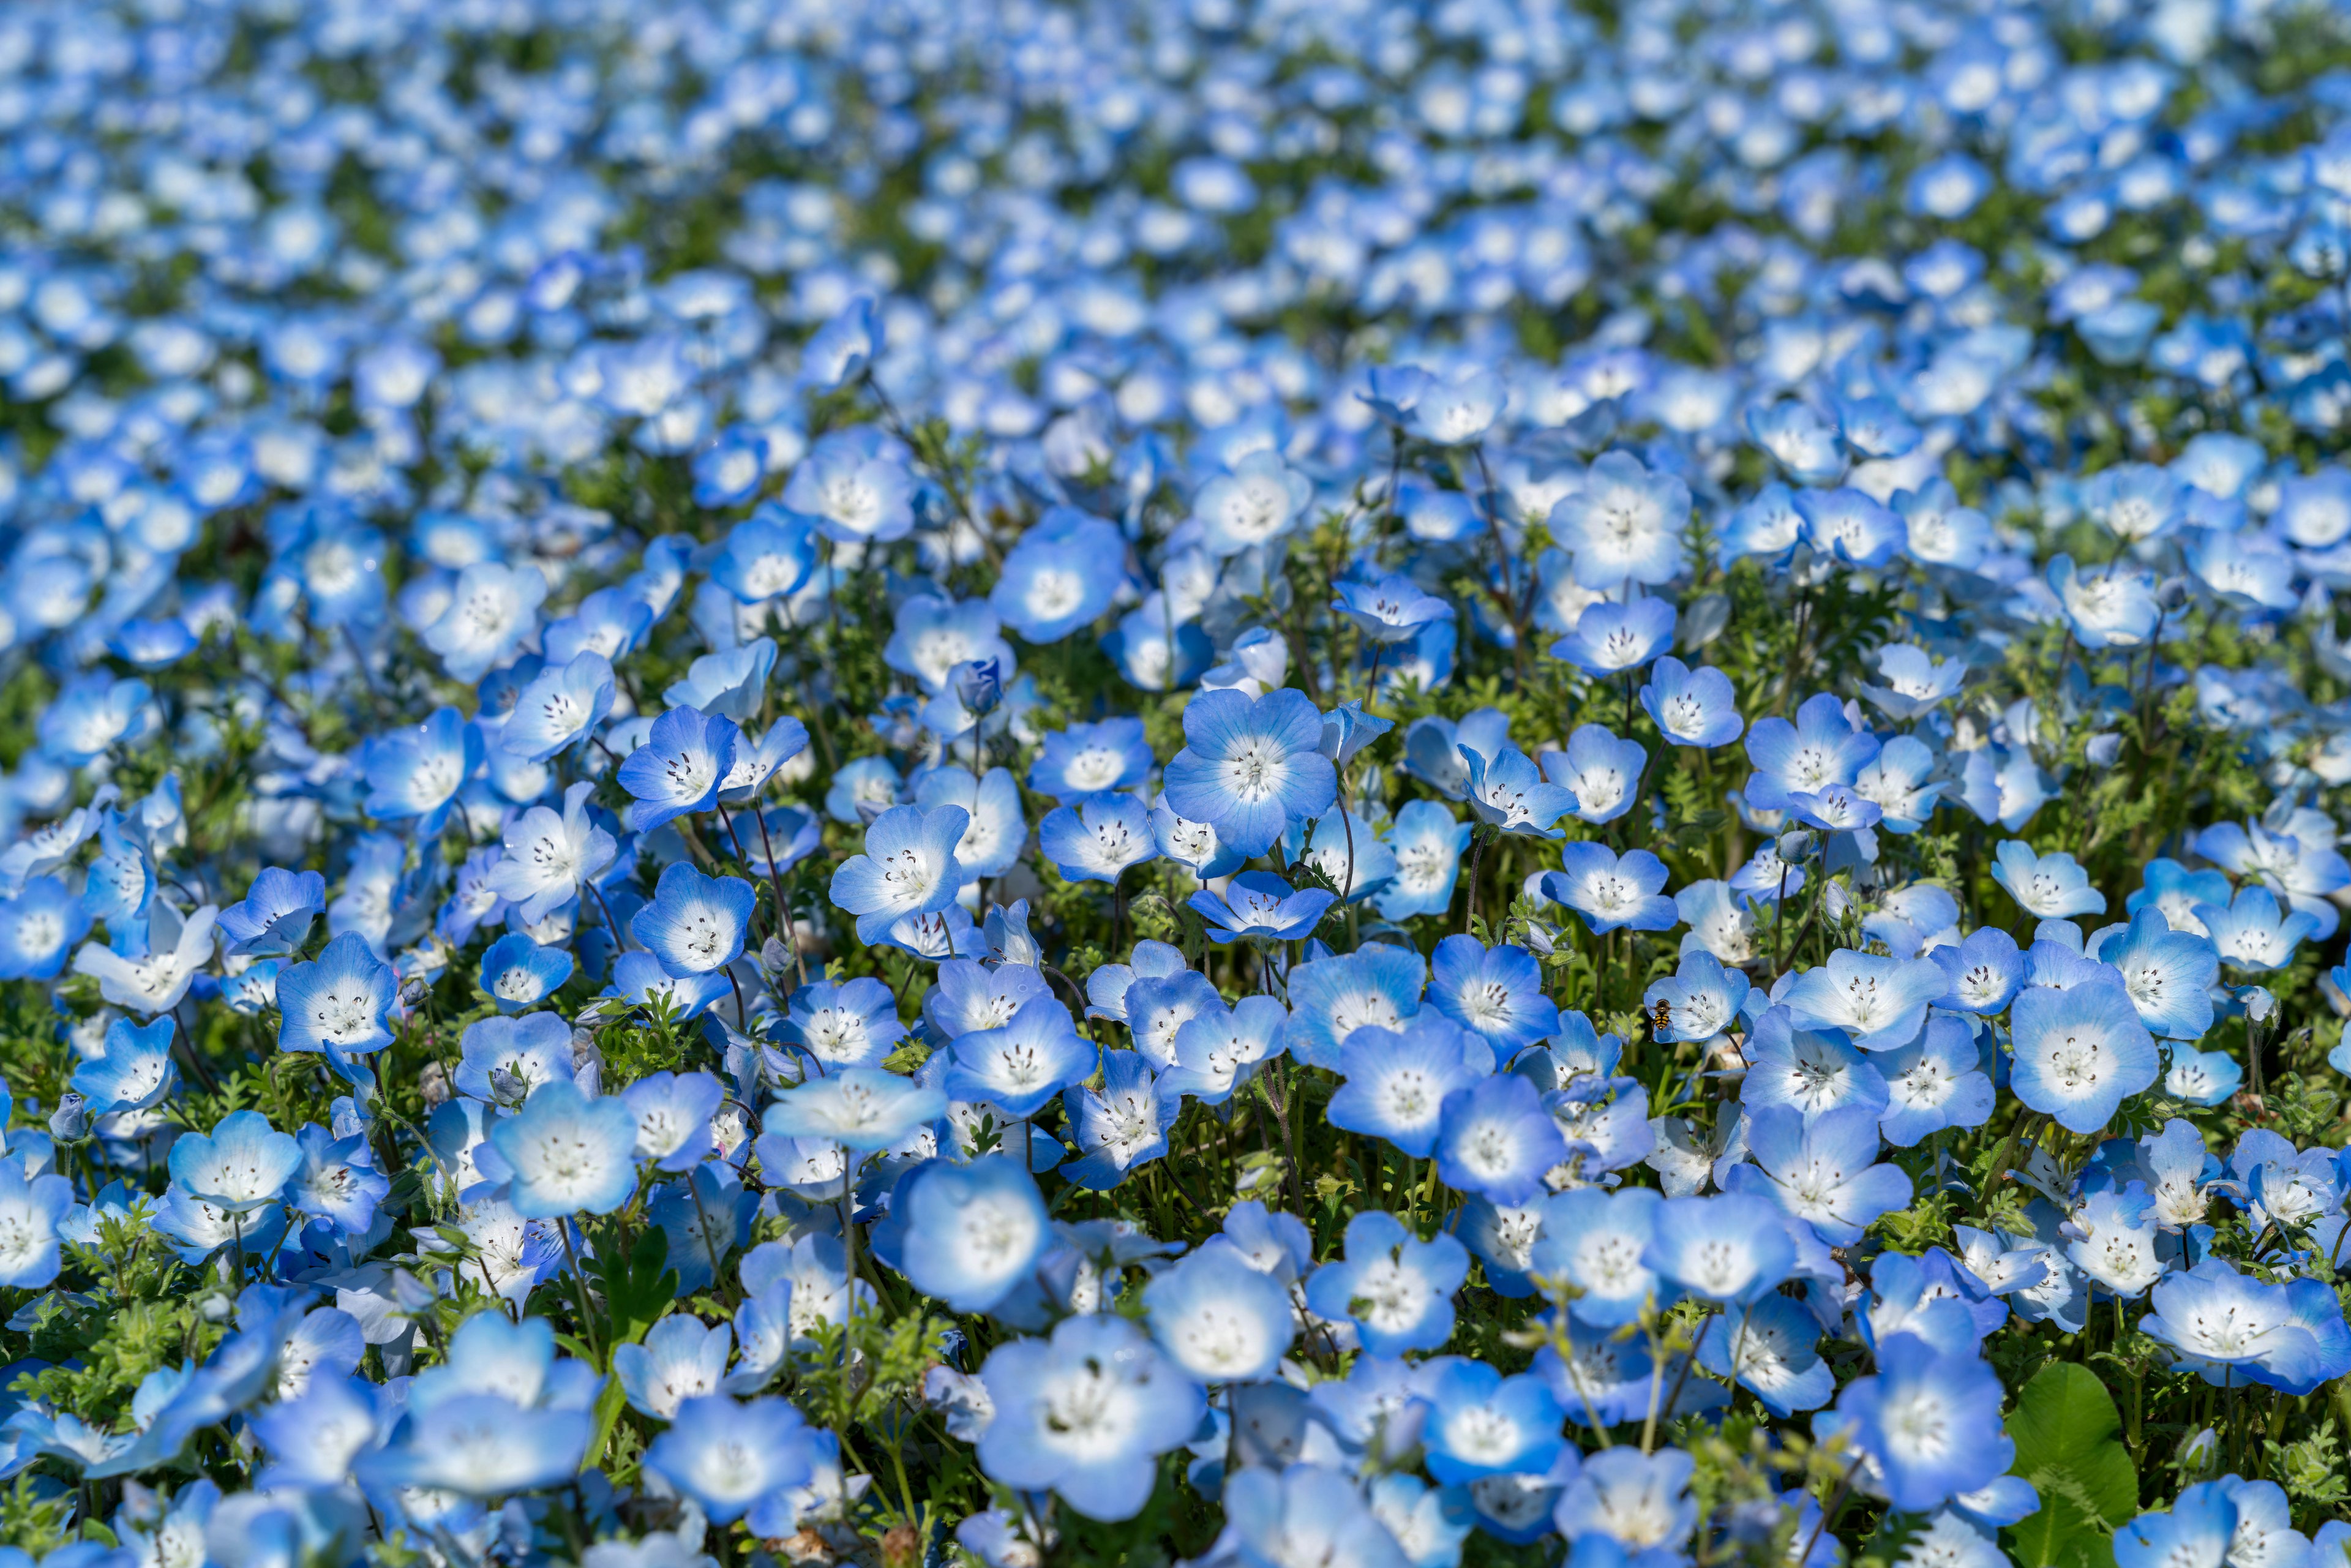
{"type": "Point", "coordinates": [2065, 1427]}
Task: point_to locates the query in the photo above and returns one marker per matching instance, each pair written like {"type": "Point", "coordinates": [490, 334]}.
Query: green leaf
{"type": "Point", "coordinates": [639, 1289]}
{"type": "Point", "coordinates": [2065, 1427]}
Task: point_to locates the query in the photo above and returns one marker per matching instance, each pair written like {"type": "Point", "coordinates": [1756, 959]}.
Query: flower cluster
{"type": "Point", "coordinates": [1242, 783]}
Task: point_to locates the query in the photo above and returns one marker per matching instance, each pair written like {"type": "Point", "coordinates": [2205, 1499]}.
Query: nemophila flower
{"type": "Point", "coordinates": [1496, 1139]}
{"type": "Point", "coordinates": [973, 1232]}
{"type": "Point", "coordinates": [1700, 998]}
{"type": "Point", "coordinates": [1098, 839]}
{"type": "Point", "coordinates": [1929, 1422]}
{"type": "Point", "coordinates": [337, 1180]}
{"type": "Point", "coordinates": [1432, 748]}
{"type": "Point", "coordinates": [1345, 847]}
{"type": "Point", "coordinates": [771, 553]}
{"type": "Point", "coordinates": [1822, 749]}
{"type": "Point", "coordinates": [1640, 1501]}
{"type": "Point", "coordinates": [1389, 610]}
{"type": "Point", "coordinates": [502, 1060]}
{"type": "Point", "coordinates": [1260, 907]}
{"type": "Point", "coordinates": [1220, 1320]}
{"type": "Point", "coordinates": [240, 1167]}
{"type": "Point", "coordinates": [1508, 793]}
{"type": "Point", "coordinates": [92, 714]}
{"type": "Point", "coordinates": [680, 1359]}
{"type": "Point", "coordinates": [855, 491]}
{"type": "Point", "coordinates": [1691, 707]}
{"type": "Point", "coordinates": [1119, 1126]}
{"type": "Point", "coordinates": [2251, 934]}
{"type": "Point", "coordinates": [1086, 1414]}
{"type": "Point", "coordinates": [1850, 527]}
{"type": "Point", "coordinates": [1624, 524]}
{"type": "Point", "coordinates": [492, 609]}
{"type": "Point", "coordinates": [1480, 1424]}
{"type": "Point", "coordinates": [861, 1108]}
{"type": "Point", "coordinates": [36, 928]}
{"type": "Point", "coordinates": [1935, 1082]}
{"type": "Point", "coordinates": [568, 1154]}
{"type": "Point", "coordinates": [1729, 1249]}
{"type": "Point", "coordinates": [1799, 440]}
{"type": "Point", "coordinates": [30, 1213]}
{"type": "Point", "coordinates": [2169, 975]}
{"type": "Point", "coordinates": [2301, 863]}
{"type": "Point", "coordinates": [730, 684]}
{"type": "Point", "coordinates": [1378, 986]}
{"type": "Point", "coordinates": [677, 769]}
{"type": "Point", "coordinates": [1878, 1002]}
{"type": "Point", "coordinates": [416, 773]}
{"type": "Point", "coordinates": [2111, 608]}
{"type": "Point", "coordinates": [968, 997]}
{"type": "Point", "coordinates": [2111, 1238]}
{"type": "Point", "coordinates": [1611, 890]}
{"type": "Point", "coordinates": [2199, 1531]}
{"type": "Point", "coordinates": [551, 855]}
{"type": "Point", "coordinates": [560, 707]}
{"type": "Point", "coordinates": [737, 1459]}
{"type": "Point", "coordinates": [1397, 1080]}
{"type": "Point", "coordinates": [639, 979]}
{"type": "Point", "coordinates": [1611, 638]}
{"type": "Point", "coordinates": [1396, 1289]}
{"type": "Point", "coordinates": [1914, 684]}
{"type": "Point", "coordinates": [134, 1069]}
{"type": "Point", "coordinates": [1899, 784]}
{"type": "Point", "coordinates": [1305, 1513]}
{"type": "Point", "coordinates": [2079, 1053]}
{"type": "Point", "coordinates": [1217, 1051]}
{"type": "Point", "coordinates": [1595, 1240]}
{"type": "Point", "coordinates": [695, 924]}
{"type": "Point", "coordinates": [518, 974]}
{"type": "Point", "coordinates": [1811, 1071]}
{"type": "Point", "coordinates": [1256, 502]}
{"type": "Point", "coordinates": [2051, 886]}
{"type": "Point", "coordinates": [339, 1001]}
{"type": "Point", "coordinates": [674, 1111]}
{"type": "Point", "coordinates": [1250, 767]}
{"type": "Point", "coordinates": [909, 867]}
{"type": "Point", "coordinates": [1156, 1007]}
{"type": "Point", "coordinates": [1496, 994]}
{"type": "Point", "coordinates": [1092, 759]}
{"type": "Point", "coordinates": [1820, 1168]}
{"type": "Point", "coordinates": [1982, 972]}
{"type": "Point", "coordinates": [1064, 573]}
{"type": "Point", "coordinates": [175, 949]}
{"type": "Point", "coordinates": [1022, 1065]}
{"type": "Point", "coordinates": [2229, 1328]}
{"type": "Point", "coordinates": [275, 914]}
{"type": "Point", "coordinates": [1771, 1348]}
{"type": "Point", "coordinates": [1427, 843]}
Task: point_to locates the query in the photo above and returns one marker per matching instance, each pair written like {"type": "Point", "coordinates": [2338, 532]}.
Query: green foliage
{"type": "Point", "coordinates": [2065, 1427]}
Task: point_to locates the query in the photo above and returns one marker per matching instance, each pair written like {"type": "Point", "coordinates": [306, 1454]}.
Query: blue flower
{"type": "Point", "coordinates": [1691, 707]}
{"type": "Point", "coordinates": [30, 1212]}
{"type": "Point", "coordinates": [1822, 749]}
{"type": "Point", "coordinates": [1850, 527]}
{"type": "Point", "coordinates": [1250, 767]}
{"type": "Point", "coordinates": [1819, 1169]}
{"type": "Point", "coordinates": [2079, 1053]}
{"type": "Point", "coordinates": [1378, 986]}
{"type": "Point", "coordinates": [1611, 890]}
{"type": "Point", "coordinates": [934, 635]}
{"type": "Point", "coordinates": [518, 974]}
{"type": "Point", "coordinates": [1217, 1051]}
{"type": "Point", "coordinates": [1306, 1513]}
{"type": "Point", "coordinates": [1496, 1140]}
{"type": "Point", "coordinates": [2199, 1529]}
{"type": "Point", "coordinates": [91, 715]}
{"type": "Point", "coordinates": [852, 493]}
{"type": "Point", "coordinates": [1254, 503]}
{"type": "Point", "coordinates": [416, 773]}
{"type": "Point", "coordinates": [1879, 1002]}
{"type": "Point", "coordinates": [1397, 1080]}
{"type": "Point", "coordinates": [1930, 1420]}
{"type": "Point", "coordinates": [2111, 608]}
{"type": "Point", "coordinates": [1810, 1071]}
{"type": "Point", "coordinates": [1508, 793]}
{"type": "Point", "coordinates": [1637, 1501]}
{"type": "Point", "coordinates": [2251, 934]}
{"type": "Point", "coordinates": [1701, 997]}
{"type": "Point", "coordinates": [337, 1180]}
{"type": "Point", "coordinates": [1390, 610]}
{"type": "Point", "coordinates": [1092, 759]}
{"type": "Point", "coordinates": [337, 1003]}
{"type": "Point", "coordinates": [2050, 887]}
{"type": "Point", "coordinates": [1426, 842]}
{"type": "Point", "coordinates": [1345, 847]}
{"type": "Point", "coordinates": [909, 867]}
{"type": "Point", "coordinates": [2168, 974]}
{"type": "Point", "coordinates": [769, 554]}
{"type": "Point", "coordinates": [1599, 770]}
{"type": "Point", "coordinates": [1730, 1249]}
{"type": "Point", "coordinates": [1481, 1424]}
{"type": "Point", "coordinates": [275, 914]}
{"type": "Point", "coordinates": [1219, 1318]}
{"type": "Point", "coordinates": [1771, 1348]}
{"type": "Point", "coordinates": [1064, 573]}
{"type": "Point", "coordinates": [567, 1154]}
{"type": "Point", "coordinates": [1086, 1414]}
{"type": "Point", "coordinates": [560, 708]}
{"type": "Point", "coordinates": [679, 1359]}
{"type": "Point", "coordinates": [861, 1109]}
{"type": "Point", "coordinates": [1119, 1126]}
{"type": "Point", "coordinates": [491, 610]}
{"type": "Point", "coordinates": [1983, 971]}
{"type": "Point", "coordinates": [973, 1232]}
{"type": "Point", "coordinates": [1625, 524]}
{"type": "Point", "coordinates": [1496, 994]}
{"type": "Point", "coordinates": [1396, 1289]}
{"type": "Point", "coordinates": [730, 684]}
{"type": "Point", "coordinates": [1020, 1066]}
{"type": "Point", "coordinates": [134, 1071]}
{"type": "Point", "coordinates": [1936, 1083]}
{"type": "Point", "coordinates": [677, 769]}
{"type": "Point", "coordinates": [1260, 907]}
{"type": "Point", "coordinates": [38, 928]}
{"type": "Point", "coordinates": [1610, 638]}
{"type": "Point", "coordinates": [1100, 839]}
{"type": "Point", "coordinates": [733, 1459]}
{"type": "Point", "coordinates": [695, 924]}
{"type": "Point", "coordinates": [242, 1165]}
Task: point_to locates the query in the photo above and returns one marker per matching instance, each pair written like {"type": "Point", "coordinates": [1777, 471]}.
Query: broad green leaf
{"type": "Point", "coordinates": [2064, 1426]}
